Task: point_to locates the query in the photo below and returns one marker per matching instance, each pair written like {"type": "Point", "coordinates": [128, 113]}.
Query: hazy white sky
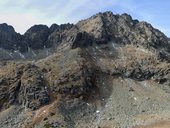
{"type": "Point", "coordinates": [22, 14]}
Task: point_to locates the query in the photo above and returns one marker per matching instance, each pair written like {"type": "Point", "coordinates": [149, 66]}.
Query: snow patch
{"type": "Point", "coordinates": [97, 111]}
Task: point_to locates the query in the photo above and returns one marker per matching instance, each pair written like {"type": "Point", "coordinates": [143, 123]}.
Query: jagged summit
{"type": "Point", "coordinates": [98, 29]}
{"type": "Point", "coordinates": [6, 27]}
{"type": "Point", "coordinates": [123, 29]}
{"type": "Point", "coordinates": [105, 71]}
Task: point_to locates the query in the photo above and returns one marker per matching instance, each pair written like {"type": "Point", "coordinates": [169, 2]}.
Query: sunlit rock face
{"type": "Point", "coordinates": [108, 70]}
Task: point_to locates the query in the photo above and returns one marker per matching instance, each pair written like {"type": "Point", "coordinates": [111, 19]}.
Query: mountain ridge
{"type": "Point", "coordinates": [108, 70]}
{"type": "Point", "coordinates": [100, 28]}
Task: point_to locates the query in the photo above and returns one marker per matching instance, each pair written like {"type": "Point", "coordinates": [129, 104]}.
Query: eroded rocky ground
{"type": "Point", "coordinates": [108, 71]}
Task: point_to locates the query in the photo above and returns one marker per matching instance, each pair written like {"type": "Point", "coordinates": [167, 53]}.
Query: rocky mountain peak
{"type": "Point", "coordinates": [53, 27]}
{"type": "Point", "coordinates": [6, 28]}
{"type": "Point", "coordinates": [123, 30]}
{"type": "Point", "coordinates": [9, 39]}
{"type": "Point", "coordinates": [37, 28]}
{"type": "Point", "coordinates": [108, 70]}
{"type": "Point", "coordinates": [37, 36]}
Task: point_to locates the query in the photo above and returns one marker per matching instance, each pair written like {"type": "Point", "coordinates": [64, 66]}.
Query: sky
{"type": "Point", "coordinates": [22, 14]}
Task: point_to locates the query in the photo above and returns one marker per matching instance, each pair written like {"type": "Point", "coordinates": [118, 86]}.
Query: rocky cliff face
{"type": "Point", "coordinates": [107, 70]}
{"type": "Point", "coordinates": [37, 36]}
{"type": "Point", "coordinates": [9, 39]}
